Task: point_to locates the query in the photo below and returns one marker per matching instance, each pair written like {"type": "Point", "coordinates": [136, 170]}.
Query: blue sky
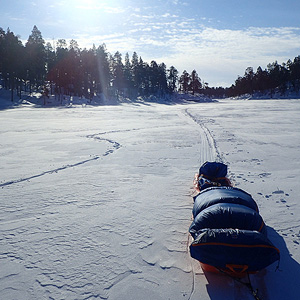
{"type": "Point", "coordinates": [218, 38]}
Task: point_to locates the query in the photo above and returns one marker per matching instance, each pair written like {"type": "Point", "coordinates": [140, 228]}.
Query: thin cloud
{"type": "Point", "coordinates": [211, 50]}
{"type": "Point", "coordinates": [187, 44]}
{"type": "Point", "coordinates": [114, 10]}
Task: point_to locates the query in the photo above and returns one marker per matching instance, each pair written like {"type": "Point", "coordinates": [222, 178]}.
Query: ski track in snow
{"type": "Point", "coordinates": [49, 172]}
{"type": "Point", "coordinates": [209, 150]}
{"type": "Point", "coordinates": [115, 146]}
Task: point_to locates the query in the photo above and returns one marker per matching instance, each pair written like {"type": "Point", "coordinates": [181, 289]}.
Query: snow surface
{"type": "Point", "coordinates": [96, 200]}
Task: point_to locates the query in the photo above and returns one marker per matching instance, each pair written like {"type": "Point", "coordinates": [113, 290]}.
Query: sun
{"type": "Point", "coordinates": [78, 13]}
{"type": "Point", "coordinates": [90, 20]}
{"type": "Point", "coordinates": [91, 5]}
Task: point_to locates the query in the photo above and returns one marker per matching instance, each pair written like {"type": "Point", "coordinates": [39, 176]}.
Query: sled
{"type": "Point", "coordinates": [232, 251]}
{"type": "Point", "coordinates": [230, 236]}
{"type": "Point", "coordinates": [233, 271]}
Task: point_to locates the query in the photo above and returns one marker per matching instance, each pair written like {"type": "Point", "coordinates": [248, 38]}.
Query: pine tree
{"type": "Point", "coordinates": [128, 76]}
{"type": "Point", "coordinates": [294, 69]}
{"type": "Point", "coordinates": [184, 81]}
{"type": "Point", "coordinates": [162, 79]}
{"type": "Point", "coordinates": [172, 78]}
{"type": "Point", "coordinates": [2, 43]}
{"type": "Point", "coordinates": [36, 57]}
{"type": "Point", "coordinates": [135, 70]}
{"type": "Point", "coordinates": [104, 76]}
{"type": "Point", "coordinates": [12, 60]}
{"type": "Point", "coordinates": [58, 74]}
{"type": "Point", "coordinates": [260, 80]}
{"type": "Point", "coordinates": [73, 69]}
{"type": "Point", "coordinates": [117, 70]}
{"type": "Point", "coordinates": [89, 72]}
{"type": "Point", "coordinates": [143, 82]}
{"type": "Point", "coordinates": [195, 83]}
{"type": "Point", "coordinates": [154, 74]}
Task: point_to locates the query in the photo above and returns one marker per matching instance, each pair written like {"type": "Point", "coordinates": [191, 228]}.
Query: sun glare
{"type": "Point", "coordinates": [87, 4]}
{"type": "Point", "coordinates": [94, 5]}
{"type": "Point", "coordinates": [91, 10]}
{"type": "Point", "coordinates": [90, 20]}
{"type": "Point", "coordinates": [78, 13]}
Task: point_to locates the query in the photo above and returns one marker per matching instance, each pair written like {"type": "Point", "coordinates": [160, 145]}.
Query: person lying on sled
{"type": "Point", "coordinates": [211, 174]}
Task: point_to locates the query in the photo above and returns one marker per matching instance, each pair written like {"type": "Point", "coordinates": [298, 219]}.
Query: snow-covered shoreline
{"type": "Point", "coordinates": [96, 200]}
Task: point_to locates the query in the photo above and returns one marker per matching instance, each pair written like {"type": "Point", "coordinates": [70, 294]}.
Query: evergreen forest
{"type": "Point", "coordinates": [65, 68]}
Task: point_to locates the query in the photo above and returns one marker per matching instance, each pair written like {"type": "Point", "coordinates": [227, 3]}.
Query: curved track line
{"type": "Point", "coordinates": [48, 172]}
{"type": "Point", "coordinates": [115, 146]}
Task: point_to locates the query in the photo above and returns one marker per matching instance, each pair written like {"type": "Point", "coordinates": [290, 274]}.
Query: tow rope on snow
{"type": "Point", "coordinates": [248, 284]}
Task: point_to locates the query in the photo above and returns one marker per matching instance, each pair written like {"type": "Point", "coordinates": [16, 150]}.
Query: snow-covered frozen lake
{"type": "Point", "coordinates": [96, 201]}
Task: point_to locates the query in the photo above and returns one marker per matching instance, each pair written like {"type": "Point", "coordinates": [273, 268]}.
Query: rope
{"type": "Point", "coordinates": [254, 292]}
{"type": "Point", "coordinates": [246, 284]}
{"type": "Point", "coordinates": [192, 268]}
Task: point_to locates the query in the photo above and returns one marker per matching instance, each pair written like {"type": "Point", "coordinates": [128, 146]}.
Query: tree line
{"type": "Point", "coordinates": [275, 78]}
{"type": "Point", "coordinates": [62, 68]}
